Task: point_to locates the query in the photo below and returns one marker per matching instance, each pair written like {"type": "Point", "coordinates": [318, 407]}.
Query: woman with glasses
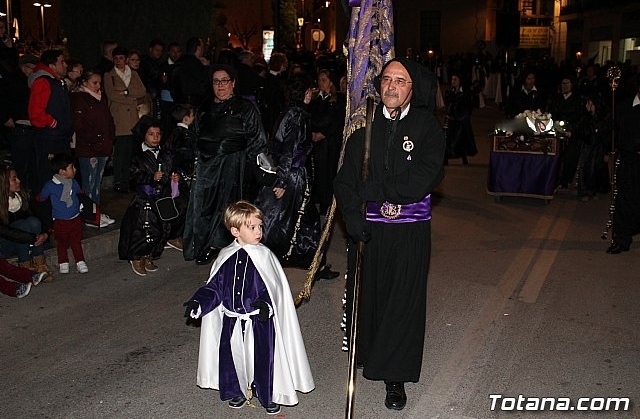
{"type": "Point", "coordinates": [230, 138]}
{"type": "Point", "coordinates": [74, 71]}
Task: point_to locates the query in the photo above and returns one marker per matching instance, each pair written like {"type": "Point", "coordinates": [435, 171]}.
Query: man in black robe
{"type": "Point", "coordinates": [626, 216]}
{"type": "Point", "coordinates": [407, 155]}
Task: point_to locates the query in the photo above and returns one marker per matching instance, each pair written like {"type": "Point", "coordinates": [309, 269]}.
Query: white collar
{"type": "Point", "coordinates": [404, 113]}
{"type": "Point", "coordinates": [145, 147]}
{"type": "Point", "coordinates": [183, 125]}
{"type": "Point", "coordinates": [636, 100]}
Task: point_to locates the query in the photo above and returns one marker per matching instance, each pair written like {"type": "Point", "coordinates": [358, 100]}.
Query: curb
{"type": "Point", "coordinates": [98, 247]}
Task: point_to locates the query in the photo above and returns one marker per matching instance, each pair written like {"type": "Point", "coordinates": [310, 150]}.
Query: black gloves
{"type": "Point", "coordinates": [264, 309]}
{"type": "Point", "coordinates": [357, 228]}
{"type": "Point", "coordinates": [192, 305]}
{"type": "Point", "coordinates": [371, 191]}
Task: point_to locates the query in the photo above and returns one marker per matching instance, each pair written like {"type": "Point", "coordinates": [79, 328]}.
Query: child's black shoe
{"type": "Point", "coordinates": [237, 402]}
{"type": "Point", "coordinates": [273, 409]}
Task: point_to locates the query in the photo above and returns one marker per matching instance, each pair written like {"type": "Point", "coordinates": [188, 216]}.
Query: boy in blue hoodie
{"type": "Point", "coordinates": [63, 191]}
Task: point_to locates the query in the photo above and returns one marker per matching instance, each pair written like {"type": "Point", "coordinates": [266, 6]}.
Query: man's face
{"type": "Point", "coordinates": [60, 66]}
{"type": "Point", "coordinates": [27, 69]}
{"type": "Point", "coordinates": [530, 81]}
{"type": "Point", "coordinates": [175, 52]}
{"type": "Point", "coordinates": [566, 86]}
{"type": "Point", "coordinates": [396, 86]}
{"type": "Point", "coordinates": [155, 52]}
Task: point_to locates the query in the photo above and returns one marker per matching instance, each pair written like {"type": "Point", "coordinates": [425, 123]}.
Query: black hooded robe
{"type": "Point", "coordinates": [392, 316]}
{"type": "Point", "coordinates": [230, 137]}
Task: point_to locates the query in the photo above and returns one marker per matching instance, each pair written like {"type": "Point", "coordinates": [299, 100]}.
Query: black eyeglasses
{"type": "Point", "coordinates": [221, 82]}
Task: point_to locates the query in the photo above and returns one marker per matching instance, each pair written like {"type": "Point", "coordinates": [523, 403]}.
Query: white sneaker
{"type": "Point", "coordinates": [38, 276]}
{"type": "Point", "coordinates": [23, 290]}
{"type": "Point", "coordinates": [102, 225]}
{"type": "Point", "coordinates": [64, 268]}
{"type": "Point", "coordinates": [104, 218]}
{"type": "Point", "coordinates": [82, 267]}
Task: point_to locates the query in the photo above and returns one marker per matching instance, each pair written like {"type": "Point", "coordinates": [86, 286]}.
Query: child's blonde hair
{"type": "Point", "coordinates": [238, 214]}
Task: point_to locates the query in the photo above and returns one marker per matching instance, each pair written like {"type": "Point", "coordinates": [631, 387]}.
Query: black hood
{"type": "Point", "coordinates": [424, 83]}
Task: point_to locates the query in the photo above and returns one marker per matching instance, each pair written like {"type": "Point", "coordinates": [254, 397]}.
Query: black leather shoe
{"type": "Point", "coordinates": [237, 402]}
{"type": "Point", "coordinates": [327, 273]}
{"type": "Point", "coordinates": [396, 397]}
{"type": "Point", "coordinates": [273, 409]}
{"type": "Point", "coordinates": [208, 256]}
{"type": "Point", "coordinates": [617, 248]}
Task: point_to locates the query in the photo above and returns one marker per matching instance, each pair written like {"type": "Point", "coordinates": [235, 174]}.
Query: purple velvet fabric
{"type": "Point", "coordinates": [228, 288]}
{"type": "Point", "coordinates": [299, 158]}
{"type": "Point", "coordinates": [408, 213]}
{"type": "Point", "coordinates": [523, 174]}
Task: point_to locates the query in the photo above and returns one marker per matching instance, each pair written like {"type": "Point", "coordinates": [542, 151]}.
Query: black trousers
{"type": "Point", "coordinates": [626, 217]}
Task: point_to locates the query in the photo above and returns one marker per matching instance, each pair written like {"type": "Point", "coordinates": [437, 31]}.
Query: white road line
{"type": "Point", "coordinates": [449, 376]}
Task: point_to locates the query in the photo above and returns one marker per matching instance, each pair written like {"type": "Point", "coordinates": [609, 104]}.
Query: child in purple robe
{"type": "Point", "coordinates": [250, 340]}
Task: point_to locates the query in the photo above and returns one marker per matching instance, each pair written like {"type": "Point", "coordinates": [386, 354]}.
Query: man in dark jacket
{"type": "Point", "coordinates": [49, 113]}
{"type": "Point", "coordinates": [151, 75]}
{"type": "Point", "coordinates": [567, 106]}
{"type": "Point", "coordinates": [626, 216]}
{"type": "Point", "coordinates": [189, 80]}
{"type": "Point", "coordinates": [14, 116]}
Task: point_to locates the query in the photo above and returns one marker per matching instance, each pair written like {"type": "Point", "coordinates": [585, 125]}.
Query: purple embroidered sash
{"type": "Point", "coordinates": [396, 213]}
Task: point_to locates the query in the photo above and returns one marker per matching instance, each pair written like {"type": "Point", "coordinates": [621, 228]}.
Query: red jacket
{"type": "Point", "coordinates": [39, 99]}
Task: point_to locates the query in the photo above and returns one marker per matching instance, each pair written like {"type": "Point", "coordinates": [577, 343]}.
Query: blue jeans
{"type": "Point", "coordinates": [24, 250]}
{"type": "Point", "coordinates": [91, 170]}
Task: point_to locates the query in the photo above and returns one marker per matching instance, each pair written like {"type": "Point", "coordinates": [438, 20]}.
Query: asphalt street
{"type": "Point", "coordinates": [522, 300]}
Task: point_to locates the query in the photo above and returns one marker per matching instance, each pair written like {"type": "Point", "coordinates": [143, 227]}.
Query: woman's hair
{"type": "Point", "coordinates": [297, 87]}
{"type": "Point", "coordinates": [86, 75]}
{"type": "Point", "coordinates": [238, 214]}
{"type": "Point", "coordinates": [5, 175]}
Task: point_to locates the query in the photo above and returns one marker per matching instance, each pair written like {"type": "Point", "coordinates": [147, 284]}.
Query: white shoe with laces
{"type": "Point", "coordinates": [37, 277]}
{"type": "Point", "coordinates": [64, 268]}
{"type": "Point", "coordinates": [82, 267]}
{"type": "Point", "coordinates": [102, 224]}
{"type": "Point", "coordinates": [105, 219]}
{"type": "Point", "coordinates": [23, 290]}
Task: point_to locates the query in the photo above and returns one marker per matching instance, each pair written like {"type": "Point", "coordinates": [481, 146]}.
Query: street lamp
{"type": "Point", "coordinates": [42, 6]}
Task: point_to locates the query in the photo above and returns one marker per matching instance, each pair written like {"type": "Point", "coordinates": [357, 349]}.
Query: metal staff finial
{"type": "Point", "coordinates": [613, 74]}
